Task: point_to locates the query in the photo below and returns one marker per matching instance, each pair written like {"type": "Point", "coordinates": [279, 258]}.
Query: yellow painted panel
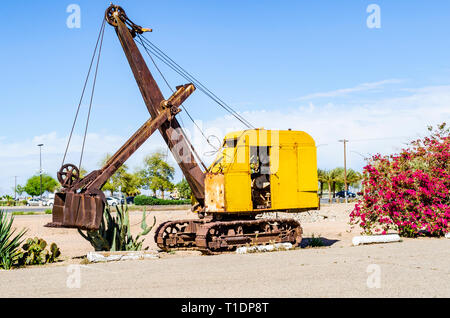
{"type": "Point", "coordinates": [293, 166]}
{"type": "Point", "coordinates": [307, 169]}
{"type": "Point", "coordinates": [284, 180]}
{"type": "Point", "coordinates": [237, 192]}
{"type": "Point", "coordinates": [237, 179]}
{"type": "Point", "coordinates": [308, 200]}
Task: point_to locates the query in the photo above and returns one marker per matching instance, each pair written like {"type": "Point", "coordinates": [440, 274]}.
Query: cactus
{"type": "Point", "coordinates": [114, 233]}
{"type": "Point", "coordinates": [54, 253]}
{"type": "Point", "coordinates": [34, 252]}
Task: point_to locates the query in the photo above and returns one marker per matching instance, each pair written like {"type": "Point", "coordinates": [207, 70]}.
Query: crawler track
{"type": "Point", "coordinates": [212, 237]}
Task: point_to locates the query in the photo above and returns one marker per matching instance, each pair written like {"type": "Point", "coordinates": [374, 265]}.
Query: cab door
{"type": "Point", "coordinates": [284, 178]}
{"type": "Point", "coordinates": [237, 178]}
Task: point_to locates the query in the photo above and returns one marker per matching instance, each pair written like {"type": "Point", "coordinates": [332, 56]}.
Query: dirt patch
{"type": "Point", "coordinates": [412, 268]}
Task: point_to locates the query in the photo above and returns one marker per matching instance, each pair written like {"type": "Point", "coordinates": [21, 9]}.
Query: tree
{"type": "Point", "coordinates": [115, 181]}
{"type": "Point", "coordinates": [353, 177]}
{"type": "Point", "coordinates": [335, 179]}
{"type": "Point", "coordinates": [328, 178]}
{"type": "Point", "coordinates": [184, 189]}
{"type": "Point", "coordinates": [33, 185]}
{"type": "Point", "coordinates": [130, 183]}
{"type": "Point", "coordinates": [337, 176]}
{"type": "Point", "coordinates": [83, 172]}
{"type": "Point", "coordinates": [157, 173]}
{"type": "Point", "coordinates": [19, 190]}
{"type": "Point", "coordinates": [321, 175]}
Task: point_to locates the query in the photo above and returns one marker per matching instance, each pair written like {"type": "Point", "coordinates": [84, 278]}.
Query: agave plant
{"type": "Point", "coordinates": [114, 233]}
{"type": "Point", "coordinates": [9, 244]}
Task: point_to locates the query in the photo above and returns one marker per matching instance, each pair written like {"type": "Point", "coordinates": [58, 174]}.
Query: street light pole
{"type": "Point", "coordinates": [345, 168]}
{"type": "Point", "coordinates": [40, 168]}
{"type": "Point", "coordinates": [15, 188]}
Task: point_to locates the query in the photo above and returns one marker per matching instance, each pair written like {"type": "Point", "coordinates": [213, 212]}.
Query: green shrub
{"type": "Point", "coordinates": [23, 213]}
{"type": "Point", "coordinates": [114, 233]}
{"type": "Point", "coordinates": [315, 241]}
{"type": "Point", "coordinates": [48, 211]}
{"type": "Point", "coordinates": [34, 253]}
{"type": "Point", "coordinates": [146, 200]}
{"type": "Point", "coordinates": [9, 244]}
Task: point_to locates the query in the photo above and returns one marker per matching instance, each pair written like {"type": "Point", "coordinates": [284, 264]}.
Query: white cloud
{"type": "Point", "coordinates": [379, 125]}
{"type": "Point", "coordinates": [22, 158]}
{"type": "Point", "coordinates": [364, 87]}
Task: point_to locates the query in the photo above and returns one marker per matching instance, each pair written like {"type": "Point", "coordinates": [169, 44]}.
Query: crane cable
{"type": "Point", "coordinates": [169, 62]}
{"type": "Point", "coordinates": [100, 36]}
{"type": "Point", "coordinates": [184, 108]}
{"type": "Point", "coordinates": [192, 79]}
{"type": "Point", "coordinates": [182, 72]}
{"type": "Point", "coordinates": [92, 92]}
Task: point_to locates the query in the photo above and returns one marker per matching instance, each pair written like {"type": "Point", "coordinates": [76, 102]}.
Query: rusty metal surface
{"type": "Point", "coordinates": [177, 98]}
{"type": "Point", "coordinates": [212, 237]}
{"type": "Point", "coordinates": [178, 234]}
{"type": "Point", "coordinates": [85, 209]}
{"type": "Point", "coordinates": [77, 211]}
{"type": "Point", "coordinates": [81, 202]}
{"type": "Point", "coordinates": [214, 192]}
{"type": "Point", "coordinates": [171, 130]}
{"type": "Point", "coordinates": [130, 146]}
{"type": "Point", "coordinates": [68, 175]}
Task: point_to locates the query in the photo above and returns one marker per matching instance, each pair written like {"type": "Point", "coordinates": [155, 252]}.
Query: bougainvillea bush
{"type": "Point", "coordinates": [408, 192]}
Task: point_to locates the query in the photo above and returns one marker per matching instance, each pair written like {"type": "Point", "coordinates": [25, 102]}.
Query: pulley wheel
{"type": "Point", "coordinates": [68, 175]}
{"type": "Point", "coordinates": [109, 14]}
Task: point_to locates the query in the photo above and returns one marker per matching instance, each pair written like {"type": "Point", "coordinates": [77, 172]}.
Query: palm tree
{"type": "Point", "coordinates": [322, 179]}
{"type": "Point", "coordinates": [337, 176]}
{"type": "Point", "coordinates": [329, 178]}
{"type": "Point", "coordinates": [353, 177]}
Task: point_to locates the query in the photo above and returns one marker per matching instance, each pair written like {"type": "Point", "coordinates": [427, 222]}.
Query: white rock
{"type": "Point", "coordinates": [387, 238]}
{"type": "Point", "coordinates": [447, 235]}
{"type": "Point", "coordinates": [95, 257]}
{"type": "Point", "coordinates": [263, 248]}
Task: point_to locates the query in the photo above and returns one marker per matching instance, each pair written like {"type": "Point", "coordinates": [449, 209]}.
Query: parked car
{"type": "Point", "coordinates": [34, 202]}
{"type": "Point", "coordinates": [341, 194]}
{"type": "Point", "coordinates": [174, 196]}
{"type": "Point", "coordinates": [120, 200]}
{"type": "Point", "coordinates": [112, 201]}
{"type": "Point", "coordinates": [49, 202]}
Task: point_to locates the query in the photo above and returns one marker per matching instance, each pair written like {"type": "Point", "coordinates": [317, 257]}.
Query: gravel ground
{"type": "Point", "coordinates": [327, 213]}
{"type": "Point", "coordinates": [411, 268]}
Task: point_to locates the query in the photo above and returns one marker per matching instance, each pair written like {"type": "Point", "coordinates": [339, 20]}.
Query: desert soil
{"type": "Point", "coordinates": [411, 268]}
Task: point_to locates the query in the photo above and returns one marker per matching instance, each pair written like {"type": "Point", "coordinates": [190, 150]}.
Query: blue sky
{"type": "Point", "coordinates": [306, 65]}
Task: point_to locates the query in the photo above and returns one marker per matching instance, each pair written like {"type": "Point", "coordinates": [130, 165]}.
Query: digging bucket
{"type": "Point", "coordinates": [77, 210]}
